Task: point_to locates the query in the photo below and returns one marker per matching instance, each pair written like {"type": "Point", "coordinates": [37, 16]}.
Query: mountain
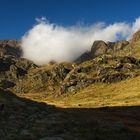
{"type": "Point", "coordinates": [95, 97]}
{"type": "Point", "coordinates": [106, 63]}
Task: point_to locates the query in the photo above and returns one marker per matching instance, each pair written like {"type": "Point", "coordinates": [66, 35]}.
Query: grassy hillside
{"type": "Point", "coordinates": [124, 93]}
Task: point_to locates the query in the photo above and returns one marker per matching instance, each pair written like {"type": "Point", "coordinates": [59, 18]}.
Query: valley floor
{"type": "Point", "coordinates": [98, 112]}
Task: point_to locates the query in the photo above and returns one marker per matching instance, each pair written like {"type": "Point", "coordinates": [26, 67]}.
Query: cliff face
{"type": "Point", "coordinates": [12, 66]}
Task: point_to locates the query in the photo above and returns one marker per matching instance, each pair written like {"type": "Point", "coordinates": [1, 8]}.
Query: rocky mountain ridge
{"type": "Point", "coordinates": [105, 63]}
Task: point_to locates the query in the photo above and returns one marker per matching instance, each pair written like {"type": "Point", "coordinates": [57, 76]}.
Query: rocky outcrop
{"type": "Point", "coordinates": [10, 47]}
{"type": "Point", "coordinates": [12, 69]}
{"type": "Point", "coordinates": [103, 69]}
{"type": "Point", "coordinates": [43, 78]}
{"type": "Point", "coordinates": [119, 45]}
{"type": "Point", "coordinates": [136, 37]}
{"type": "Point", "coordinates": [98, 48]}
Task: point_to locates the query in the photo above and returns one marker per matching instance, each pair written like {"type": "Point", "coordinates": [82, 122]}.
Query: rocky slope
{"type": "Point", "coordinates": [12, 66]}
{"type": "Point", "coordinates": [105, 63]}
{"type": "Point", "coordinates": [10, 47]}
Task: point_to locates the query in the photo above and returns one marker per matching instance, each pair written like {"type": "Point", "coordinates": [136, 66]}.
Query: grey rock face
{"type": "Point", "coordinates": [98, 48]}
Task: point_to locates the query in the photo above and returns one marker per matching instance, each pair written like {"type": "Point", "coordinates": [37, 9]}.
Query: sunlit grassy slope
{"type": "Point", "coordinates": [124, 93]}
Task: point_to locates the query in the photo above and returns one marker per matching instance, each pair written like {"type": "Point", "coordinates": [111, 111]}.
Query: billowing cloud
{"type": "Point", "coordinates": [46, 41]}
{"type": "Point", "coordinates": [136, 25]}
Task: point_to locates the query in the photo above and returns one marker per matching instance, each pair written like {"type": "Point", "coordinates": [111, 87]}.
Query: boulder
{"type": "Point", "coordinates": [98, 48]}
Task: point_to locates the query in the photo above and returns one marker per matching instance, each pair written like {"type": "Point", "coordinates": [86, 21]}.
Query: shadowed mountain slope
{"type": "Point", "coordinates": [26, 119]}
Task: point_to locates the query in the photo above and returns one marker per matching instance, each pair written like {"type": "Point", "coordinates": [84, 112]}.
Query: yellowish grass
{"type": "Point", "coordinates": [124, 93]}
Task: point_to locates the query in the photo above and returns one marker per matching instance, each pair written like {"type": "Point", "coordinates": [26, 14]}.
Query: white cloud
{"type": "Point", "coordinates": [136, 25]}
{"type": "Point", "coordinates": [47, 41]}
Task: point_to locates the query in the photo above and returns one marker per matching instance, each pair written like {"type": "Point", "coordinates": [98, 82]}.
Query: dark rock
{"type": "Point", "coordinates": [10, 47]}
{"type": "Point", "coordinates": [128, 59]}
{"type": "Point", "coordinates": [111, 44]}
{"type": "Point", "coordinates": [115, 77]}
{"type": "Point", "coordinates": [6, 84]}
{"type": "Point", "coordinates": [5, 63]}
{"type": "Point", "coordinates": [25, 133]}
{"type": "Point", "coordinates": [84, 57]}
{"type": "Point", "coordinates": [2, 107]}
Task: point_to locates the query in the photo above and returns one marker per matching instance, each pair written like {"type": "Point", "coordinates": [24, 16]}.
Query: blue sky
{"type": "Point", "coordinates": [18, 16]}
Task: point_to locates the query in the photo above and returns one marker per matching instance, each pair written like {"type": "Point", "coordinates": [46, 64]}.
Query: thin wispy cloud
{"type": "Point", "coordinates": [47, 41]}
